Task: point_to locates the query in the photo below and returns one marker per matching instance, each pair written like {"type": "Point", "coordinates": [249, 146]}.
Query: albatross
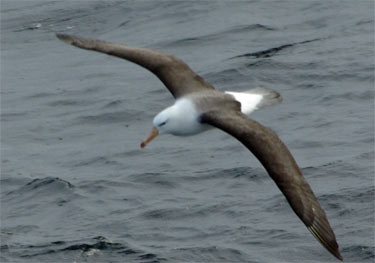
{"type": "Point", "coordinates": [199, 106]}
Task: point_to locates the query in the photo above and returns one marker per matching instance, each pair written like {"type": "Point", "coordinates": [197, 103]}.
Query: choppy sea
{"type": "Point", "coordinates": [76, 187]}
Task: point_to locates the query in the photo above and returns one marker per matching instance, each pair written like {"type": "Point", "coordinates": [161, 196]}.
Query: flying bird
{"type": "Point", "coordinates": [199, 106]}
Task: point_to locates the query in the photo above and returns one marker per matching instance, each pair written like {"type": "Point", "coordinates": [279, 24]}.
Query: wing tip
{"type": "Point", "coordinates": [331, 245]}
{"type": "Point", "coordinates": [81, 42]}
{"type": "Point", "coordinates": [65, 38]}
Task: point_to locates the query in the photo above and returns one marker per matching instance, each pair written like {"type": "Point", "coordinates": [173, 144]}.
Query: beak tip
{"type": "Point", "coordinates": [154, 132]}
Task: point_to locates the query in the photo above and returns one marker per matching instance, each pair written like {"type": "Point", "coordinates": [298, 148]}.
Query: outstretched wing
{"type": "Point", "coordinates": [173, 72]}
{"type": "Point", "coordinates": [281, 166]}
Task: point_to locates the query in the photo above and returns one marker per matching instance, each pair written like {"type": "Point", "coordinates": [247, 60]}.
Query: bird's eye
{"type": "Point", "coordinates": [163, 123]}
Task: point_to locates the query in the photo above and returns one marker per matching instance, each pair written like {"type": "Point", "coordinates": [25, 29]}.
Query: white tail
{"type": "Point", "coordinates": [255, 99]}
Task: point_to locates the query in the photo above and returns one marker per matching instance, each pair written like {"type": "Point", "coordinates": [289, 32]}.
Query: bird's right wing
{"type": "Point", "coordinates": [281, 166]}
{"type": "Point", "coordinates": [173, 72]}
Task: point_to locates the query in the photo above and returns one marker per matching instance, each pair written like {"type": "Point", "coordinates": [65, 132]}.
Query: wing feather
{"type": "Point", "coordinates": [173, 72]}
{"type": "Point", "coordinates": [282, 168]}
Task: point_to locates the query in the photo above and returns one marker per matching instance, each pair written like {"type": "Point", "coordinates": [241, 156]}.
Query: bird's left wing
{"type": "Point", "coordinates": [281, 166]}
{"type": "Point", "coordinates": [176, 75]}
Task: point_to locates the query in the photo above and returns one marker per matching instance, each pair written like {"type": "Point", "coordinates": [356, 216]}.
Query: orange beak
{"type": "Point", "coordinates": [154, 132]}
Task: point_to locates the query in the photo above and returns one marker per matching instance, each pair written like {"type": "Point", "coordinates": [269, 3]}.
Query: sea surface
{"type": "Point", "coordinates": [76, 187]}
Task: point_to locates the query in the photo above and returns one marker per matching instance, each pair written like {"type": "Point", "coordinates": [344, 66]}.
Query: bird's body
{"type": "Point", "coordinates": [199, 106]}
{"type": "Point", "coordinates": [183, 118]}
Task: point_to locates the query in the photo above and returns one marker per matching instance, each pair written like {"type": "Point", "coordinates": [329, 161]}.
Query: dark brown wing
{"type": "Point", "coordinates": [281, 166]}
{"type": "Point", "coordinates": [173, 72]}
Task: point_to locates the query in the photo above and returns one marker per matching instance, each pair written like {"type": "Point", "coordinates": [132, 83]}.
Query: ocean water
{"type": "Point", "coordinates": [76, 187]}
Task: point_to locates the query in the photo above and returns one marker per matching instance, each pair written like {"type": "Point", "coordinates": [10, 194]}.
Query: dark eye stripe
{"type": "Point", "coordinates": [163, 123]}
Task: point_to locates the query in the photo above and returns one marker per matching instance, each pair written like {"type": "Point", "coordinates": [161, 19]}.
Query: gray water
{"type": "Point", "coordinates": [76, 187]}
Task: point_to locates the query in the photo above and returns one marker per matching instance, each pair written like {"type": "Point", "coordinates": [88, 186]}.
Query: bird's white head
{"type": "Point", "coordinates": [180, 119]}
{"type": "Point", "coordinates": [164, 121]}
